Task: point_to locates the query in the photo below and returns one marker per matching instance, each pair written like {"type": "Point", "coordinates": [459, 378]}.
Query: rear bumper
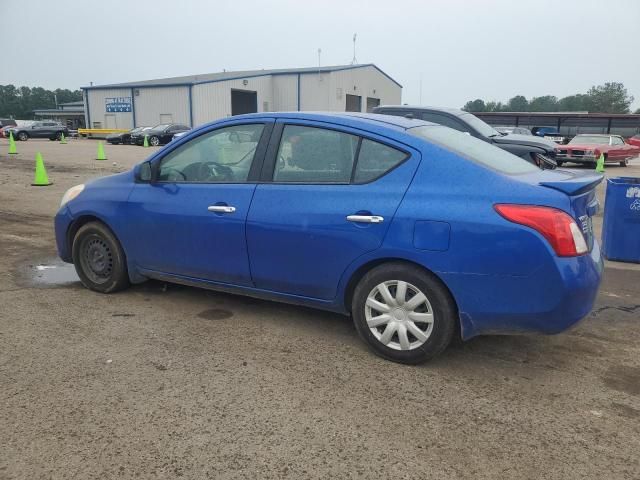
{"type": "Point", "coordinates": [551, 300]}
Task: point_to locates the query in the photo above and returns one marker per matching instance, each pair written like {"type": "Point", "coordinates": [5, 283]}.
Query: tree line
{"type": "Point", "coordinates": [19, 102]}
{"type": "Point", "coordinates": [612, 97]}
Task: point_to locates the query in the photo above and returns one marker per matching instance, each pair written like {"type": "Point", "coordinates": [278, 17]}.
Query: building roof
{"type": "Point", "coordinates": [222, 76]}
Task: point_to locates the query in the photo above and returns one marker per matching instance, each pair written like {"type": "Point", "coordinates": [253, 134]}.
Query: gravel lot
{"type": "Point", "coordinates": [162, 381]}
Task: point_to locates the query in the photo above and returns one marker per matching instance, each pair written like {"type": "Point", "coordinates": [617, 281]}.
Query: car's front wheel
{"type": "Point", "coordinates": [154, 141]}
{"type": "Point", "coordinates": [99, 259]}
{"type": "Point", "coordinates": [23, 136]}
{"type": "Point", "coordinates": [404, 313]}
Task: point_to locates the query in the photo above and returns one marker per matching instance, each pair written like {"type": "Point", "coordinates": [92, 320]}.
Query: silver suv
{"type": "Point", "coordinates": [50, 130]}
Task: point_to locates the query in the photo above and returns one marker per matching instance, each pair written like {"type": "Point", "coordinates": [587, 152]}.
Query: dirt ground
{"type": "Point", "coordinates": [162, 381]}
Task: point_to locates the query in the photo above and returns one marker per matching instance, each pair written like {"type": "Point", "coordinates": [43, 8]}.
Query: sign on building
{"type": "Point", "coordinates": [117, 104]}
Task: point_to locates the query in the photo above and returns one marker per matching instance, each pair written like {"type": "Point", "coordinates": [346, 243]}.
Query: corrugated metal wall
{"type": "Point", "coordinates": [368, 82]}
{"type": "Point", "coordinates": [285, 93]}
{"type": "Point", "coordinates": [98, 112]}
{"type": "Point", "coordinates": [212, 101]}
{"type": "Point", "coordinates": [327, 91]}
{"type": "Point", "coordinates": [158, 105]}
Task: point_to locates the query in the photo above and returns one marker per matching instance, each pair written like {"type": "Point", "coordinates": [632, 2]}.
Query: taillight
{"type": "Point", "coordinates": [560, 230]}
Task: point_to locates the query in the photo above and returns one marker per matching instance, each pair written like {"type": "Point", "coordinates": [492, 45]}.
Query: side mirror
{"type": "Point", "coordinates": [143, 172]}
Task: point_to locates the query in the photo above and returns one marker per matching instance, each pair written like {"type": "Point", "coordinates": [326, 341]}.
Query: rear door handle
{"type": "Point", "coordinates": [221, 208]}
{"type": "Point", "coordinates": [365, 218]}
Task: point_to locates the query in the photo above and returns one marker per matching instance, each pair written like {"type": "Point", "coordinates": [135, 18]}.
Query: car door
{"type": "Point", "coordinates": [189, 220]}
{"type": "Point", "coordinates": [314, 213]}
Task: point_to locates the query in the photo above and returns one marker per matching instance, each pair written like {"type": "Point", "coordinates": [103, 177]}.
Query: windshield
{"type": "Point", "coordinates": [481, 127]}
{"type": "Point", "coordinates": [162, 126]}
{"type": "Point", "coordinates": [589, 140]}
{"type": "Point", "coordinates": [474, 149]}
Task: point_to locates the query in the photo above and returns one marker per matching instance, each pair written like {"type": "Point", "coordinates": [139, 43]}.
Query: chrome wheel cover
{"type": "Point", "coordinates": [399, 315]}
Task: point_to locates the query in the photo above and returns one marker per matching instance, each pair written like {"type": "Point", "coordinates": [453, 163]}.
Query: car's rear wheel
{"type": "Point", "coordinates": [404, 313]}
{"type": "Point", "coordinates": [624, 162]}
{"type": "Point", "coordinates": [99, 259]}
{"type": "Point", "coordinates": [154, 141]}
{"type": "Point", "coordinates": [23, 136]}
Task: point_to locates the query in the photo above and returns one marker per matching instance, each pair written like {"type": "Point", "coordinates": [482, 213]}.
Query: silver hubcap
{"type": "Point", "coordinates": [399, 315]}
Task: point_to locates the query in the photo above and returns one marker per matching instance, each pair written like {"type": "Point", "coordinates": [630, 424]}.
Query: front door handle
{"type": "Point", "coordinates": [221, 208]}
{"type": "Point", "coordinates": [365, 218]}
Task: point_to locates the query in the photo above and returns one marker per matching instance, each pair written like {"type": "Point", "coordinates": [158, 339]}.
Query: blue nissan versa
{"type": "Point", "coordinates": [420, 232]}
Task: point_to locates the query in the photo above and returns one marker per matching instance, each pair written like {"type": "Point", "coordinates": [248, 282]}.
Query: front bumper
{"type": "Point", "coordinates": [553, 299]}
{"type": "Point", "coordinates": [62, 222]}
{"type": "Point", "coordinates": [580, 159]}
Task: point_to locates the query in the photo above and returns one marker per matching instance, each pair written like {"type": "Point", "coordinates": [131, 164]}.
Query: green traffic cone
{"type": "Point", "coordinates": [63, 140]}
{"type": "Point", "coordinates": [101, 155]}
{"type": "Point", "coordinates": [40, 179]}
{"type": "Point", "coordinates": [12, 144]}
{"type": "Point", "coordinates": [146, 141]}
{"type": "Point", "coordinates": [600, 164]}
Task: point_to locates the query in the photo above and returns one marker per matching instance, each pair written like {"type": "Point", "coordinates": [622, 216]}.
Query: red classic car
{"type": "Point", "coordinates": [635, 140]}
{"type": "Point", "coordinates": [587, 148]}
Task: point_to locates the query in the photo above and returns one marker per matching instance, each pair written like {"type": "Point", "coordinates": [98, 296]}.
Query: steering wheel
{"type": "Point", "coordinates": [174, 175]}
{"type": "Point", "coordinates": [218, 171]}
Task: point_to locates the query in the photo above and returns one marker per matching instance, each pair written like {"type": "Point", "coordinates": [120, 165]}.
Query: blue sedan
{"type": "Point", "coordinates": [419, 232]}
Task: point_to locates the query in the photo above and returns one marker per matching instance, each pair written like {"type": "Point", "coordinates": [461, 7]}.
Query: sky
{"type": "Point", "coordinates": [442, 52]}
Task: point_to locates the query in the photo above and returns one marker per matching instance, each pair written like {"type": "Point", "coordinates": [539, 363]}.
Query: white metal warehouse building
{"type": "Point", "coordinates": [198, 99]}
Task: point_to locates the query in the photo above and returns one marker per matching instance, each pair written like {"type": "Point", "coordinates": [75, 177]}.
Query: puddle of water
{"type": "Point", "coordinates": [53, 273]}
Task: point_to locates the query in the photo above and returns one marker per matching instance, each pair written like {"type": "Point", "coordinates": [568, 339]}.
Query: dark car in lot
{"type": "Point", "coordinates": [124, 138]}
{"type": "Point", "coordinates": [50, 130]}
{"type": "Point", "coordinates": [538, 151]}
{"type": "Point", "coordinates": [160, 134]}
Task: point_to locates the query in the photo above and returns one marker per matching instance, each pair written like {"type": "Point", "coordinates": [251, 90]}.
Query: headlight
{"type": "Point", "coordinates": [590, 153]}
{"type": "Point", "coordinates": [70, 194]}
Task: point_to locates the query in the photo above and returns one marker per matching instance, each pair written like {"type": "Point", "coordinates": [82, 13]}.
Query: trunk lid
{"type": "Point", "coordinates": [580, 187]}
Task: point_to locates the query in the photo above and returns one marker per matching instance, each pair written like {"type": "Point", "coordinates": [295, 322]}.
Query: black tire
{"type": "Point", "coordinates": [442, 306]}
{"type": "Point", "coordinates": [559, 163]}
{"type": "Point", "coordinates": [23, 136]}
{"type": "Point", "coordinates": [99, 259]}
{"type": "Point", "coordinates": [58, 136]}
{"type": "Point", "coordinates": [154, 141]}
{"type": "Point", "coordinates": [624, 162]}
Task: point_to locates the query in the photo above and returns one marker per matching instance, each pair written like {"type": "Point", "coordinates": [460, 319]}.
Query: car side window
{"type": "Point", "coordinates": [443, 120]}
{"type": "Point", "coordinates": [617, 141]}
{"type": "Point", "coordinates": [314, 155]}
{"type": "Point", "coordinates": [221, 156]}
{"type": "Point", "coordinates": [376, 159]}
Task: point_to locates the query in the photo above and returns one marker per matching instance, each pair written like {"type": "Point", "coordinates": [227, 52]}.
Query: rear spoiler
{"type": "Point", "coordinates": [576, 184]}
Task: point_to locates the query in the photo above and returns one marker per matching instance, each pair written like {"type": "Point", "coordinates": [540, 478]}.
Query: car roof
{"type": "Point", "coordinates": [348, 119]}
{"type": "Point", "coordinates": [596, 135]}
{"type": "Point", "coordinates": [451, 111]}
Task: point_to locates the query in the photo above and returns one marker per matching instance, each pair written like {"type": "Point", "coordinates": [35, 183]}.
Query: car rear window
{"type": "Point", "coordinates": [477, 150]}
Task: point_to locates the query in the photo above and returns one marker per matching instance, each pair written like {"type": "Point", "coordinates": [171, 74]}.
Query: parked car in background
{"type": "Point", "coordinates": [124, 138]}
{"type": "Point", "coordinates": [6, 124]}
{"type": "Point", "coordinates": [39, 129]}
{"type": "Point", "coordinates": [517, 130]}
{"type": "Point", "coordinates": [550, 133]}
{"type": "Point", "coordinates": [535, 150]}
{"type": "Point", "coordinates": [587, 148]}
{"type": "Point", "coordinates": [417, 231]}
{"type": "Point", "coordinates": [635, 140]}
{"type": "Point", "coordinates": [160, 134]}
